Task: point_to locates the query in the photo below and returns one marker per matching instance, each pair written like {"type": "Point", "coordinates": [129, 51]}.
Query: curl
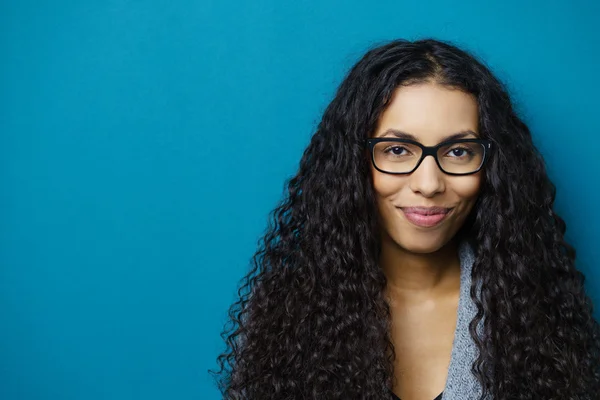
{"type": "Point", "coordinates": [312, 321]}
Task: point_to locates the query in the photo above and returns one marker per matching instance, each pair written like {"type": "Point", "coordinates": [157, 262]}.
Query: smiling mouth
{"type": "Point", "coordinates": [425, 218]}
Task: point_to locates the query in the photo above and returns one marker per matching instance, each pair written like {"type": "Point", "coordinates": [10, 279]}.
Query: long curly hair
{"type": "Point", "coordinates": [312, 321]}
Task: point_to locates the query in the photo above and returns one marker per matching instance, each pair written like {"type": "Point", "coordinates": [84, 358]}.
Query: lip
{"type": "Point", "coordinates": [426, 210]}
{"type": "Point", "coordinates": [425, 216]}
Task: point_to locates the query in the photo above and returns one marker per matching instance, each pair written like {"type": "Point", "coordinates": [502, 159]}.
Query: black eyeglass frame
{"type": "Point", "coordinates": [427, 151]}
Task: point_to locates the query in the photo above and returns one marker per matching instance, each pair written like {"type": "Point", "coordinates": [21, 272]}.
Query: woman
{"type": "Point", "coordinates": [387, 274]}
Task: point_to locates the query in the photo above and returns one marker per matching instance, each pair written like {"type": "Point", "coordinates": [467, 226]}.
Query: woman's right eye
{"type": "Point", "coordinates": [395, 150]}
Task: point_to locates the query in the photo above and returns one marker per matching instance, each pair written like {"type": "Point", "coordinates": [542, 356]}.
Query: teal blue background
{"type": "Point", "coordinates": [142, 145]}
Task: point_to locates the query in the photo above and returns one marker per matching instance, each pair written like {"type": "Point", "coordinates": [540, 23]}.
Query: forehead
{"type": "Point", "coordinates": [430, 112]}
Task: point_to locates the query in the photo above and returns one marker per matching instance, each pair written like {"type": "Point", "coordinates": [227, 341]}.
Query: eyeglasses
{"type": "Point", "coordinates": [403, 156]}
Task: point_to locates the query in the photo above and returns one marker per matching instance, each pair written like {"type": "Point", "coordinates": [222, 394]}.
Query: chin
{"type": "Point", "coordinates": [420, 243]}
{"type": "Point", "coordinates": [424, 248]}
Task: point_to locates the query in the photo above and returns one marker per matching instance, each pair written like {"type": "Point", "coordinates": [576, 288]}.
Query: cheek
{"type": "Point", "coordinates": [387, 189]}
{"type": "Point", "coordinates": [385, 185]}
{"type": "Point", "coordinates": [467, 189]}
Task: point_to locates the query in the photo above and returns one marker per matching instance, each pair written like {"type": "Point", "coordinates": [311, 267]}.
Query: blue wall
{"type": "Point", "coordinates": [139, 162]}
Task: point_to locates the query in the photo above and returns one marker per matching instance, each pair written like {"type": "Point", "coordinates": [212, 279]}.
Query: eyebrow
{"type": "Point", "coordinates": [403, 135]}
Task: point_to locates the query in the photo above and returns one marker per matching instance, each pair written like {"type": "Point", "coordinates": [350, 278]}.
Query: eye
{"type": "Point", "coordinates": [395, 150]}
{"type": "Point", "coordinates": [460, 152]}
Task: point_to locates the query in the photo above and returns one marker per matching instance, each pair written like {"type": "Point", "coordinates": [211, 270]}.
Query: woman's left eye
{"type": "Point", "coordinates": [459, 150]}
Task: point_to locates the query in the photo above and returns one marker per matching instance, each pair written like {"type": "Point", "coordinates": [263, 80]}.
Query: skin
{"type": "Point", "coordinates": [421, 264]}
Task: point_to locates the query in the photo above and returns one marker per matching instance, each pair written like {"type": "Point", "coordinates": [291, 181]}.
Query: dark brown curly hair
{"type": "Point", "coordinates": [312, 321]}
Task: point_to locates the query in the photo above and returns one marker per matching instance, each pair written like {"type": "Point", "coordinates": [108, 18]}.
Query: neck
{"type": "Point", "coordinates": [410, 274]}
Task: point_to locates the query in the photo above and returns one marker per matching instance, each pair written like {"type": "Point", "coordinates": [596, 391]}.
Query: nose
{"type": "Point", "coordinates": [427, 179]}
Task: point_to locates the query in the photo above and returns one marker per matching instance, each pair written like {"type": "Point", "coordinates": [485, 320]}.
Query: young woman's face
{"type": "Point", "coordinates": [430, 113]}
